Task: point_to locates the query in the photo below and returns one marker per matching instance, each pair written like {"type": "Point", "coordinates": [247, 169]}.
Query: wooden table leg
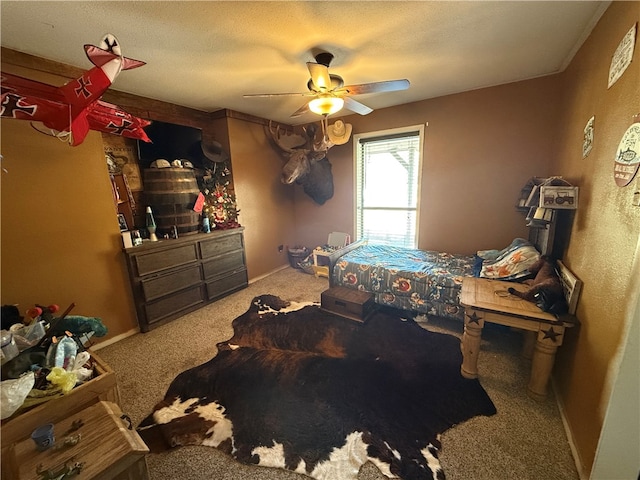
{"type": "Point", "coordinates": [473, 323]}
{"type": "Point", "coordinates": [544, 354]}
{"type": "Point", "coordinates": [529, 343]}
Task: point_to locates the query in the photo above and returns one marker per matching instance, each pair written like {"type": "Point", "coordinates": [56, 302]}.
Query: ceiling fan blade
{"type": "Point", "coordinates": [356, 107]}
{"type": "Point", "coordinates": [301, 111]}
{"type": "Point", "coordinates": [375, 87]}
{"type": "Point", "coordinates": [319, 76]}
{"type": "Point", "coordinates": [301, 94]}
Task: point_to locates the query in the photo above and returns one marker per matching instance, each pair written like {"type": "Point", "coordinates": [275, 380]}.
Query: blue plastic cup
{"type": "Point", "coordinates": [43, 437]}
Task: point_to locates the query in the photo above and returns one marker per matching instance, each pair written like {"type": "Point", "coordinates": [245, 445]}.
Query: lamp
{"type": "Point", "coordinates": [326, 105]}
{"type": "Point", "coordinates": [151, 225]}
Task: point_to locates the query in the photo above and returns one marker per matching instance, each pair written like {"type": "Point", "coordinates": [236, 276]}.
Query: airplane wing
{"type": "Point", "coordinates": [26, 99]}
{"type": "Point", "coordinates": [109, 118]}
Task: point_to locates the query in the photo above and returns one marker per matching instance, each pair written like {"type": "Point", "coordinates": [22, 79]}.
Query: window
{"type": "Point", "coordinates": [388, 186]}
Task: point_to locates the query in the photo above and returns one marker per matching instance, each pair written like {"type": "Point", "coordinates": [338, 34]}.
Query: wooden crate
{"type": "Point", "coordinates": [107, 448]}
{"type": "Point", "coordinates": [101, 387]}
{"type": "Point", "coordinates": [353, 304]}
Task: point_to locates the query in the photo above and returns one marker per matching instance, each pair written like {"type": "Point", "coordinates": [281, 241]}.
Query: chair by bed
{"type": "Point", "coordinates": [422, 281]}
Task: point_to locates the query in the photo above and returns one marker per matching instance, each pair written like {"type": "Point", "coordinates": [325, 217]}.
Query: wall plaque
{"type": "Point", "coordinates": [627, 158]}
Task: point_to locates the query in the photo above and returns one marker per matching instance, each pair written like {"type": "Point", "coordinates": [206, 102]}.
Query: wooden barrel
{"type": "Point", "coordinates": [171, 193]}
{"type": "Point", "coordinates": [185, 220]}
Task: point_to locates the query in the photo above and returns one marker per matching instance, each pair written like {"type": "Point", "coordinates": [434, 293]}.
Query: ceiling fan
{"type": "Point", "coordinates": [330, 93]}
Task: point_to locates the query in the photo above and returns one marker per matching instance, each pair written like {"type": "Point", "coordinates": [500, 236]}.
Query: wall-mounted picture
{"type": "Point", "coordinates": [559, 197]}
{"type": "Point", "coordinates": [122, 222]}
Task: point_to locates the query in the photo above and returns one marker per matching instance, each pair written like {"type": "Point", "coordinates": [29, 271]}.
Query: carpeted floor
{"type": "Point", "coordinates": [524, 440]}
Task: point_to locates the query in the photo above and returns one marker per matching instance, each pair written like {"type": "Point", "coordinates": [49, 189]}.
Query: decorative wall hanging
{"type": "Point", "coordinates": [627, 158]}
{"type": "Point", "coordinates": [542, 197]}
{"type": "Point", "coordinates": [587, 143]}
{"type": "Point", "coordinates": [73, 109]}
{"type": "Point", "coordinates": [558, 197]}
{"type": "Point", "coordinates": [121, 154]}
{"type": "Point", "coordinates": [622, 56]}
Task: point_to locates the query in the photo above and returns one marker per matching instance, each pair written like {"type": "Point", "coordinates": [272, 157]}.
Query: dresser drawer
{"type": "Point", "coordinates": [224, 263]}
{"type": "Point", "coordinates": [172, 282]}
{"type": "Point", "coordinates": [217, 246]}
{"type": "Point", "coordinates": [172, 304]}
{"type": "Point", "coordinates": [157, 261]}
{"type": "Point", "coordinates": [226, 284]}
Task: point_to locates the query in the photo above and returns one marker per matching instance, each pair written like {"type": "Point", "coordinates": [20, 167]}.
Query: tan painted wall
{"type": "Point", "coordinates": [266, 205]}
{"type": "Point", "coordinates": [480, 148]}
{"type": "Point", "coordinates": [60, 237]}
{"type": "Point", "coordinates": [606, 228]}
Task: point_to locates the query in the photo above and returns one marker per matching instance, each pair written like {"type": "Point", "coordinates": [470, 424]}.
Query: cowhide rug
{"type": "Point", "coordinates": [305, 390]}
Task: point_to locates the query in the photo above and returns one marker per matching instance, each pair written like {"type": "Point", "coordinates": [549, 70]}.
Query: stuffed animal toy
{"type": "Point", "coordinates": [545, 289]}
{"type": "Point", "coordinates": [78, 325]}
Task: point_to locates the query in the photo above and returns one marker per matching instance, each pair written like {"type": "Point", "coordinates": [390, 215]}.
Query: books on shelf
{"type": "Point", "coordinates": [539, 217]}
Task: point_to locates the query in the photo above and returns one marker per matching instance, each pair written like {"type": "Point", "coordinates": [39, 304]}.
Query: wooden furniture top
{"type": "Point", "coordinates": [163, 243]}
{"type": "Point", "coordinates": [493, 296]}
{"type": "Point", "coordinates": [105, 441]}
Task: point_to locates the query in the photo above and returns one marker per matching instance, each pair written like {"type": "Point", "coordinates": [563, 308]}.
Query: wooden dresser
{"type": "Point", "coordinates": [172, 277]}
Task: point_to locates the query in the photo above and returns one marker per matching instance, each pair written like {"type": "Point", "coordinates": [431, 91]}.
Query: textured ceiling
{"type": "Point", "coordinates": [206, 55]}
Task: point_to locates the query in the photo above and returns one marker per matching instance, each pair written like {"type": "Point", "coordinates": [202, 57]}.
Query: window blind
{"type": "Point", "coordinates": [387, 170]}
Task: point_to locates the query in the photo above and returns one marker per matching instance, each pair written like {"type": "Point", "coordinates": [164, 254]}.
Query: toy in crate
{"type": "Point", "coordinates": [336, 241]}
{"type": "Point", "coordinates": [44, 356]}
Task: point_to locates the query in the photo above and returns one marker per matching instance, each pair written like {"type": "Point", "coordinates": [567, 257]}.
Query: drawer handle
{"type": "Point", "coordinates": [126, 418]}
{"type": "Point", "coordinates": [341, 304]}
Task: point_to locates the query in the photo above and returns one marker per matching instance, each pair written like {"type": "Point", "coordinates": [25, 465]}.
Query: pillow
{"type": "Point", "coordinates": [510, 263]}
{"type": "Point", "coordinates": [492, 255]}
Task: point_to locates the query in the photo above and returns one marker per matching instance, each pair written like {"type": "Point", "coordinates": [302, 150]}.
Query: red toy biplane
{"type": "Point", "coordinates": [75, 108]}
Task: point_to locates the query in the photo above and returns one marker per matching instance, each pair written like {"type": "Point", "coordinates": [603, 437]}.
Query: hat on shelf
{"type": "Point", "coordinates": [160, 163]}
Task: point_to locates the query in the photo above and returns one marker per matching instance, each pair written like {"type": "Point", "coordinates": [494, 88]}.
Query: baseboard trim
{"type": "Point", "coordinates": [255, 279]}
{"type": "Point", "coordinates": [134, 331]}
{"type": "Point", "coordinates": [115, 339]}
{"type": "Point", "coordinates": [577, 459]}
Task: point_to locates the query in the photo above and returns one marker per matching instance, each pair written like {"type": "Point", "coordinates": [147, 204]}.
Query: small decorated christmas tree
{"type": "Point", "coordinates": [219, 202]}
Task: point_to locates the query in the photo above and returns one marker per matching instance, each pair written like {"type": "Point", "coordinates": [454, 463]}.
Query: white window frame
{"type": "Point", "coordinates": [356, 153]}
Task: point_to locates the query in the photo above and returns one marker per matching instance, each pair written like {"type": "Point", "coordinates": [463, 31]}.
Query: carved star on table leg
{"type": "Point", "coordinates": [474, 318]}
{"type": "Point", "coordinates": [550, 333]}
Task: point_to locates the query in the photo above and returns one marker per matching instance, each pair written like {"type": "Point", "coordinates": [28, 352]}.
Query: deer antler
{"type": "Point", "coordinates": [299, 150]}
{"type": "Point", "coordinates": [286, 141]}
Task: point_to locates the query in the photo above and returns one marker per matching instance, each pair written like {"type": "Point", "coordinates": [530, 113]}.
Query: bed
{"type": "Point", "coordinates": [427, 282]}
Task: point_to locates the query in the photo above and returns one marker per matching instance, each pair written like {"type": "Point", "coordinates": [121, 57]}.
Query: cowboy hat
{"type": "Point", "coordinates": [339, 133]}
{"type": "Point", "coordinates": [214, 152]}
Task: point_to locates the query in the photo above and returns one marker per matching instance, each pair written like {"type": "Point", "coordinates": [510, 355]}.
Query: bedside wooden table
{"type": "Point", "coordinates": [107, 449]}
{"type": "Point", "coordinates": [488, 300]}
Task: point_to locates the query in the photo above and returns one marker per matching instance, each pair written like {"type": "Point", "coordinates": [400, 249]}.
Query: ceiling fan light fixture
{"type": "Point", "coordinates": [326, 105]}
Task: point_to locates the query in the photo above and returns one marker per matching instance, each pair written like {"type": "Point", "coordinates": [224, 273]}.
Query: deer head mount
{"type": "Point", "coordinates": [306, 155]}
